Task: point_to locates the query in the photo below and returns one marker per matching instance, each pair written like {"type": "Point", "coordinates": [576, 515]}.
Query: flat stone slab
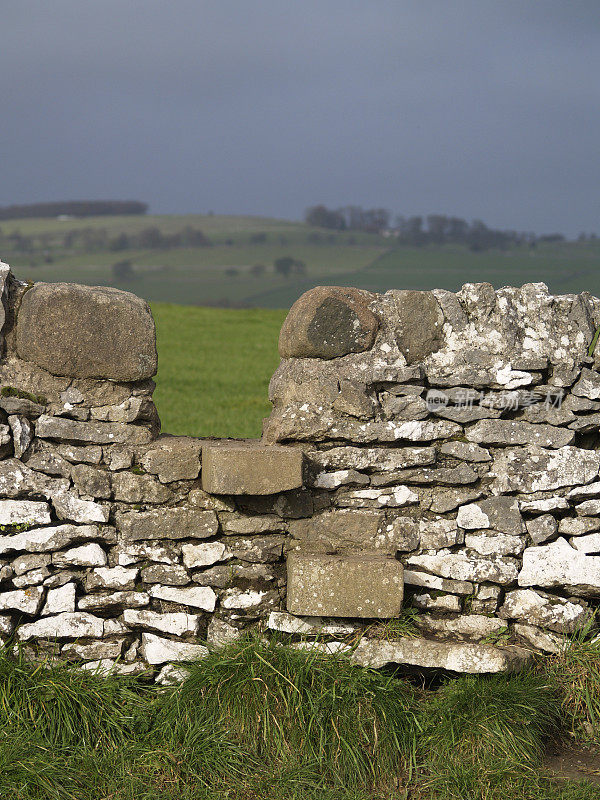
{"type": "Point", "coordinates": [455, 656]}
{"type": "Point", "coordinates": [362, 586]}
{"type": "Point", "coordinates": [250, 468]}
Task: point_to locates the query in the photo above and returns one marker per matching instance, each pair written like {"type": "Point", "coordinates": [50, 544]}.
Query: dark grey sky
{"type": "Point", "coordinates": [478, 108]}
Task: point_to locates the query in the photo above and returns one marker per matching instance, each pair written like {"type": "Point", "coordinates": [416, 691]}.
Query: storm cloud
{"type": "Point", "coordinates": [480, 109]}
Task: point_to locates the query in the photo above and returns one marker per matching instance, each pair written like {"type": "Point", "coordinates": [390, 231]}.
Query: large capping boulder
{"type": "Point", "coordinates": [86, 332]}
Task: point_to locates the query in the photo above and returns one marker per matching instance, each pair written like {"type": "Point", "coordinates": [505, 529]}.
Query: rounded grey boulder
{"type": "Point", "coordinates": [87, 332]}
{"type": "Point", "coordinates": [328, 322]}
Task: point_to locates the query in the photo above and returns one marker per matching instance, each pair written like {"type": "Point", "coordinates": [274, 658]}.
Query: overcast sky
{"type": "Point", "coordinates": [483, 108]}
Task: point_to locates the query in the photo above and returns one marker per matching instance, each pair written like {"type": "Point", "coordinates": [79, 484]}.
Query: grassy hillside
{"type": "Point", "coordinates": [226, 272]}
{"type": "Point", "coordinates": [214, 368]}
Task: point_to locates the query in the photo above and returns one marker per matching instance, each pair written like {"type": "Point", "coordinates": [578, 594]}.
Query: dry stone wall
{"type": "Point", "coordinates": [430, 468]}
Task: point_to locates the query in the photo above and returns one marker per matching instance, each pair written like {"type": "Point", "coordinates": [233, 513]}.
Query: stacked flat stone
{"type": "Point", "coordinates": [375, 485]}
{"type": "Point", "coordinates": [458, 434]}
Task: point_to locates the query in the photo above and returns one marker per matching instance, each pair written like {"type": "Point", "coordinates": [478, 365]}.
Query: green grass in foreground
{"type": "Point", "coordinates": [214, 368]}
{"type": "Point", "coordinates": [257, 720]}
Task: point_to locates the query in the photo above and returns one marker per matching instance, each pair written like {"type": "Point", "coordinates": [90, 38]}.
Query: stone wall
{"type": "Point", "coordinates": [430, 468]}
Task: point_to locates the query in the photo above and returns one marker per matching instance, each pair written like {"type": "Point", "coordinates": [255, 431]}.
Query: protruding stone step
{"type": "Point", "coordinates": [230, 467]}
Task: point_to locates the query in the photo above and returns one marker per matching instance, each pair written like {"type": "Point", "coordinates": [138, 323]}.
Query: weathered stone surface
{"type": "Point", "coordinates": [589, 508]}
{"type": "Point", "coordinates": [22, 406]}
{"type": "Point", "coordinates": [118, 457]}
{"type": "Point", "coordinates": [588, 385]}
{"type": "Point", "coordinates": [6, 626]}
{"type": "Point", "coordinates": [557, 564]}
{"type": "Point", "coordinates": [221, 633]}
{"type": "Point", "coordinates": [223, 576]}
{"type": "Point", "coordinates": [132, 488]}
{"type": "Point", "coordinates": [87, 555]}
{"type": "Point", "coordinates": [30, 561]}
{"type": "Point", "coordinates": [500, 513]}
{"type": "Point", "coordinates": [379, 459]}
{"type": "Point", "coordinates": [462, 474]}
{"type": "Point", "coordinates": [542, 528]}
{"type": "Point", "coordinates": [469, 626]}
{"type": "Point", "coordinates": [418, 324]}
{"type": "Point", "coordinates": [201, 597]}
{"type": "Point", "coordinates": [461, 567]}
{"type": "Point", "coordinates": [436, 602]}
{"type": "Point", "coordinates": [252, 600]}
{"type": "Point", "coordinates": [170, 675]}
{"type": "Point", "coordinates": [467, 451]}
{"type": "Point", "coordinates": [134, 552]}
{"type": "Point", "coordinates": [166, 523]}
{"type": "Point", "coordinates": [32, 578]}
{"type": "Point", "coordinates": [111, 578]}
{"type": "Point", "coordinates": [22, 434]}
{"type": "Point", "coordinates": [69, 430]}
{"type": "Point", "coordinates": [91, 481]}
{"type": "Point", "coordinates": [63, 626]}
{"type": "Point", "coordinates": [256, 549]}
{"type": "Point", "coordinates": [60, 600]}
{"type": "Point", "coordinates": [538, 639]}
{"type": "Point", "coordinates": [173, 458]}
{"type": "Point", "coordinates": [486, 599]}
{"type": "Point", "coordinates": [493, 543]}
{"type": "Point", "coordinates": [546, 504]}
{"type": "Point", "coordinates": [344, 586]}
{"type": "Point", "coordinates": [342, 530]}
{"type": "Point", "coordinates": [45, 540]}
{"type": "Point", "coordinates": [254, 469]}
{"type": "Point", "coordinates": [587, 544]}
{"type": "Point", "coordinates": [454, 656]}
{"type": "Point", "coordinates": [437, 583]}
{"type": "Point", "coordinates": [202, 555]}
{"type": "Point", "coordinates": [533, 469]}
{"type": "Point", "coordinates": [343, 477]}
{"type": "Point", "coordinates": [70, 507]}
{"type": "Point", "coordinates": [268, 523]}
{"type": "Point", "coordinates": [86, 454]}
{"type": "Point", "coordinates": [512, 432]}
{"type": "Point", "coordinates": [448, 500]}
{"type": "Point", "coordinates": [18, 512]}
{"type": "Point", "coordinates": [585, 492]}
{"type": "Point", "coordinates": [93, 650]}
{"type": "Point", "coordinates": [328, 322]}
{"type": "Point", "coordinates": [306, 626]}
{"type": "Point", "coordinates": [87, 332]}
{"type": "Point", "coordinates": [110, 601]}
{"type": "Point", "coordinates": [438, 533]}
{"type": "Point", "coordinates": [16, 479]}
{"type": "Point", "coordinates": [169, 574]}
{"type": "Point", "coordinates": [399, 407]}
{"type": "Point", "coordinates": [577, 526]}
{"type": "Point", "coordinates": [157, 650]}
{"type": "Point", "coordinates": [354, 399]}
{"type": "Point", "coordinates": [176, 623]}
{"type": "Point", "coordinates": [545, 610]}
{"type": "Point", "coordinates": [131, 409]}
{"type": "Point", "coordinates": [397, 497]}
{"type": "Point", "coordinates": [28, 601]}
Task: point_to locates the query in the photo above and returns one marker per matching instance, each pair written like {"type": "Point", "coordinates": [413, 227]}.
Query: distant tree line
{"type": "Point", "coordinates": [74, 208]}
{"type": "Point", "coordinates": [418, 231]}
{"type": "Point", "coordinates": [152, 238]}
{"type": "Point", "coordinates": [348, 218]}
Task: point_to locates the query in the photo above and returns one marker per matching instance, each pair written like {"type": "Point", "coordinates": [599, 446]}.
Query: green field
{"type": "Point", "coordinates": [222, 274]}
{"type": "Point", "coordinates": [214, 368]}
